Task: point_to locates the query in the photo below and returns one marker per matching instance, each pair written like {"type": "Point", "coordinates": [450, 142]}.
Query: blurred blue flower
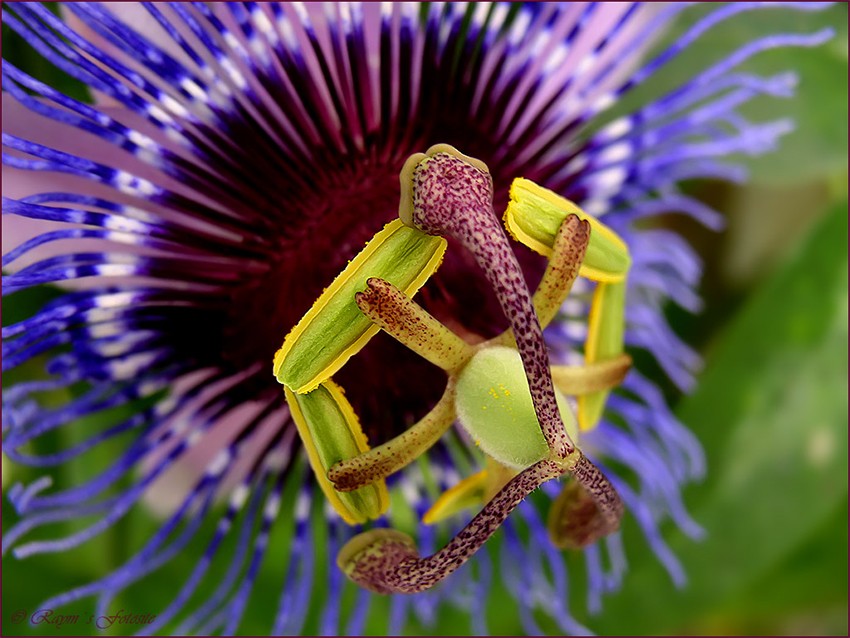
{"type": "Point", "coordinates": [177, 214]}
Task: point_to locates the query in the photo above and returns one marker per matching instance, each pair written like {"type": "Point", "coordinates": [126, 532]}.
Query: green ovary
{"type": "Point", "coordinates": [494, 405]}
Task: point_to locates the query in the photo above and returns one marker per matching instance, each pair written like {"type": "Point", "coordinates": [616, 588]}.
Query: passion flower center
{"type": "Point", "coordinates": [318, 237]}
{"type": "Point", "coordinates": [445, 194]}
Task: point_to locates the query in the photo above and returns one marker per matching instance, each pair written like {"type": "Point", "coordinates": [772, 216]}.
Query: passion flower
{"type": "Point", "coordinates": [232, 160]}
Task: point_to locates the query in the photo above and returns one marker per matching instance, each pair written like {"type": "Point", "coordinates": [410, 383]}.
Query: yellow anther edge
{"type": "Point", "coordinates": [391, 456]}
{"type": "Point", "coordinates": [373, 246]}
{"type": "Point", "coordinates": [522, 187]}
{"type": "Point", "coordinates": [472, 492]}
{"type": "Point", "coordinates": [605, 327]}
{"type": "Point", "coordinates": [605, 338]}
{"type": "Point", "coordinates": [594, 322]}
{"type": "Point", "coordinates": [334, 498]}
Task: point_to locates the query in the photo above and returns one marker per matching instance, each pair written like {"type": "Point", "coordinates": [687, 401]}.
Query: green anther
{"type": "Point", "coordinates": [535, 217]}
{"type": "Point", "coordinates": [494, 406]}
{"type": "Point", "coordinates": [606, 326]}
{"type": "Point", "coordinates": [334, 329]}
{"type": "Point", "coordinates": [535, 214]}
{"type": "Point", "coordinates": [331, 432]}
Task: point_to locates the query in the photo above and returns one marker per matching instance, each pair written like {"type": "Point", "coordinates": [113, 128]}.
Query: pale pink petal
{"type": "Point", "coordinates": [19, 183]}
{"type": "Point", "coordinates": [171, 488]}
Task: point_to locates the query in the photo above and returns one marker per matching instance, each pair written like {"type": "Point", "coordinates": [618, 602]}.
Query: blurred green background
{"type": "Point", "coordinates": [770, 407]}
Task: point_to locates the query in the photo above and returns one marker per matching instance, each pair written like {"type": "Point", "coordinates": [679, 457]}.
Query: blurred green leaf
{"type": "Point", "coordinates": [813, 578]}
{"type": "Point", "coordinates": [818, 110]}
{"type": "Point", "coordinates": [771, 410]}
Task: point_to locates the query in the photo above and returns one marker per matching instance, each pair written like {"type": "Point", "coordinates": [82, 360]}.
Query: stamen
{"type": "Point", "coordinates": [386, 561]}
{"type": "Point", "coordinates": [472, 491]}
{"type": "Point", "coordinates": [591, 377]}
{"type": "Point", "coordinates": [572, 521]}
{"type": "Point", "coordinates": [568, 253]}
{"type": "Point", "coordinates": [330, 431]}
{"type": "Point", "coordinates": [534, 215]}
{"type": "Point", "coordinates": [606, 325]}
{"type": "Point", "coordinates": [447, 193]}
{"type": "Point", "coordinates": [404, 319]}
{"type": "Point", "coordinates": [383, 460]}
{"type": "Point", "coordinates": [334, 329]}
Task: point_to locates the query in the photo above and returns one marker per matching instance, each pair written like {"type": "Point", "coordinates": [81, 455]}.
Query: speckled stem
{"type": "Point", "coordinates": [452, 197]}
{"type": "Point", "coordinates": [400, 316]}
{"type": "Point", "coordinates": [379, 462]}
{"type": "Point", "coordinates": [599, 488]}
{"type": "Point", "coordinates": [568, 253]}
{"type": "Point", "coordinates": [389, 563]}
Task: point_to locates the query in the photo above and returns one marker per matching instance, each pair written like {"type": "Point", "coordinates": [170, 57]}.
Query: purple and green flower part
{"type": "Point", "coordinates": [526, 431]}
